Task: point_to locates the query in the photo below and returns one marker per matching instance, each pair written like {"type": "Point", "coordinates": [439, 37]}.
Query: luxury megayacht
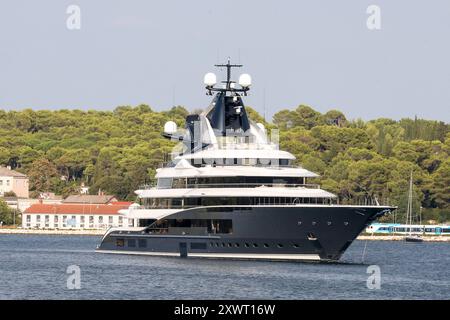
{"type": "Point", "coordinates": [229, 192]}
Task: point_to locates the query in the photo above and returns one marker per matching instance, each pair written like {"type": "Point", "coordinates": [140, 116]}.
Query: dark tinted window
{"type": "Point", "coordinates": [142, 243]}
{"type": "Point", "coordinates": [198, 245]}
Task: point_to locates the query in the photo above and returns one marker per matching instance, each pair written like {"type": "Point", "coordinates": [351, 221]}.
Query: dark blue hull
{"type": "Point", "coordinates": [263, 232]}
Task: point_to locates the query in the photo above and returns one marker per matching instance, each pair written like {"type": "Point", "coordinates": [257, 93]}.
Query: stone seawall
{"type": "Point", "coordinates": [55, 232]}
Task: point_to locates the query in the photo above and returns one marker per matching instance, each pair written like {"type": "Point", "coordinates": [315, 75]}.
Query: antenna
{"type": "Point", "coordinates": [173, 95]}
{"type": "Point", "coordinates": [264, 103]}
{"type": "Point", "coordinates": [228, 66]}
{"type": "Point", "coordinates": [244, 80]}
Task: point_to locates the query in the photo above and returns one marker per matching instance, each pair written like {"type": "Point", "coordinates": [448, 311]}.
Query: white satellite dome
{"type": "Point", "coordinates": [210, 79]}
{"type": "Point", "coordinates": [245, 80]}
{"type": "Point", "coordinates": [170, 127]}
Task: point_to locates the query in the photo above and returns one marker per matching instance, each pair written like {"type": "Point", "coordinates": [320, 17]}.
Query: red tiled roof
{"type": "Point", "coordinates": [121, 203]}
{"type": "Point", "coordinates": [87, 209]}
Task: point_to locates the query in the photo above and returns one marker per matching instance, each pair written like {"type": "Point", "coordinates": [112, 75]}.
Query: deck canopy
{"type": "Point", "coordinates": [187, 171]}
{"type": "Point", "coordinates": [231, 153]}
{"type": "Point", "coordinates": [138, 213]}
{"type": "Point", "coordinates": [298, 192]}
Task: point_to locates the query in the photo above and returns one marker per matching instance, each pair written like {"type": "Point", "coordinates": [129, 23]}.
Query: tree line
{"type": "Point", "coordinates": [117, 151]}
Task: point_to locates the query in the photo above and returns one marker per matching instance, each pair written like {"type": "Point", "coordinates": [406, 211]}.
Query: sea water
{"type": "Point", "coordinates": [42, 267]}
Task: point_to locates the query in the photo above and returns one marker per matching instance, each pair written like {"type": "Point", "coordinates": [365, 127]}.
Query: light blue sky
{"type": "Point", "coordinates": [318, 53]}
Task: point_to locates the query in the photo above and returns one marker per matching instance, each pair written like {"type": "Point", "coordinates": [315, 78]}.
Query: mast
{"type": "Point", "coordinates": [228, 66]}
{"type": "Point", "coordinates": [227, 115]}
{"type": "Point", "coordinates": [229, 84]}
{"type": "Point", "coordinates": [409, 209]}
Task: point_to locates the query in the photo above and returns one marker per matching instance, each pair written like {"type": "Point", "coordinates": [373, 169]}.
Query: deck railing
{"type": "Point", "coordinates": [170, 164]}
{"type": "Point", "coordinates": [232, 185]}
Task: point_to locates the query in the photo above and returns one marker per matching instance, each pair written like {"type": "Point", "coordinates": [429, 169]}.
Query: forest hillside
{"type": "Point", "coordinates": [116, 151]}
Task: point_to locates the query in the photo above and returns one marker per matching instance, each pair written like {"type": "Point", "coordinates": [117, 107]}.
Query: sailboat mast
{"type": "Point", "coordinates": [409, 210]}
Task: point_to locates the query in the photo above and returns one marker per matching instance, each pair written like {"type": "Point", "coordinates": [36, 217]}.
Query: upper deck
{"type": "Point", "coordinates": [222, 152]}
{"type": "Point", "coordinates": [184, 169]}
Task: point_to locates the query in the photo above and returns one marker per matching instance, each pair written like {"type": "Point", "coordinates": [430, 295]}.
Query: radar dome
{"type": "Point", "coordinates": [170, 127]}
{"type": "Point", "coordinates": [245, 80]}
{"type": "Point", "coordinates": [210, 79]}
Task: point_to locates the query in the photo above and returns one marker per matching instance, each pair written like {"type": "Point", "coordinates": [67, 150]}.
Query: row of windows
{"type": "Point", "coordinates": [73, 221]}
{"type": "Point", "coordinates": [7, 182]}
{"type": "Point", "coordinates": [197, 162]}
{"type": "Point", "coordinates": [152, 203]}
{"type": "Point", "coordinates": [142, 243]}
{"type": "Point", "coordinates": [215, 226]}
{"type": "Point", "coordinates": [228, 182]}
{"type": "Point", "coordinates": [82, 218]}
{"type": "Point", "coordinates": [315, 223]}
{"type": "Point", "coordinates": [210, 226]}
{"type": "Point", "coordinates": [131, 243]}
{"type": "Point", "coordinates": [405, 229]}
{"type": "Point", "coordinates": [248, 245]}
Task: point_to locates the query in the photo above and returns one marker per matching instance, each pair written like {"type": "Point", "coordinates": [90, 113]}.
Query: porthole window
{"type": "Point", "coordinates": [255, 245]}
{"type": "Point", "coordinates": [236, 245]}
{"type": "Point", "coordinates": [266, 245]}
{"type": "Point", "coordinates": [223, 244]}
{"type": "Point", "coordinates": [295, 245]}
{"type": "Point", "coordinates": [230, 245]}
{"type": "Point", "coordinates": [279, 245]}
{"type": "Point", "coordinates": [247, 245]}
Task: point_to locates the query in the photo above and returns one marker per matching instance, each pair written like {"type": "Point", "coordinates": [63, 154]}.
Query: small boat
{"type": "Point", "coordinates": [409, 217]}
{"type": "Point", "coordinates": [413, 238]}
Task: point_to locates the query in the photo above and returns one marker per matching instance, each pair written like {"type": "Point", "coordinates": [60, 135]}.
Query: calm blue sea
{"type": "Point", "coordinates": [34, 267]}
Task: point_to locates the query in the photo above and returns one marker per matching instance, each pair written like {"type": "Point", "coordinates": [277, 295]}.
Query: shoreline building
{"type": "Point", "coordinates": [90, 199]}
{"type": "Point", "coordinates": [13, 181]}
{"type": "Point", "coordinates": [75, 216]}
{"type": "Point", "coordinates": [22, 204]}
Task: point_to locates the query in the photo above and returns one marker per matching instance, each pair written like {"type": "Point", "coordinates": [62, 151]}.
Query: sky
{"type": "Point", "coordinates": [319, 53]}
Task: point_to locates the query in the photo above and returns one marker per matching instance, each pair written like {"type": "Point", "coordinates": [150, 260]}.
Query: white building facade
{"type": "Point", "coordinates": [79, 216]}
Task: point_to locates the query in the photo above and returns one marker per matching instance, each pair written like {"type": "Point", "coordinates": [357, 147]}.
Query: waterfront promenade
{"type": "Point", "coordinates": [87, 232]}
